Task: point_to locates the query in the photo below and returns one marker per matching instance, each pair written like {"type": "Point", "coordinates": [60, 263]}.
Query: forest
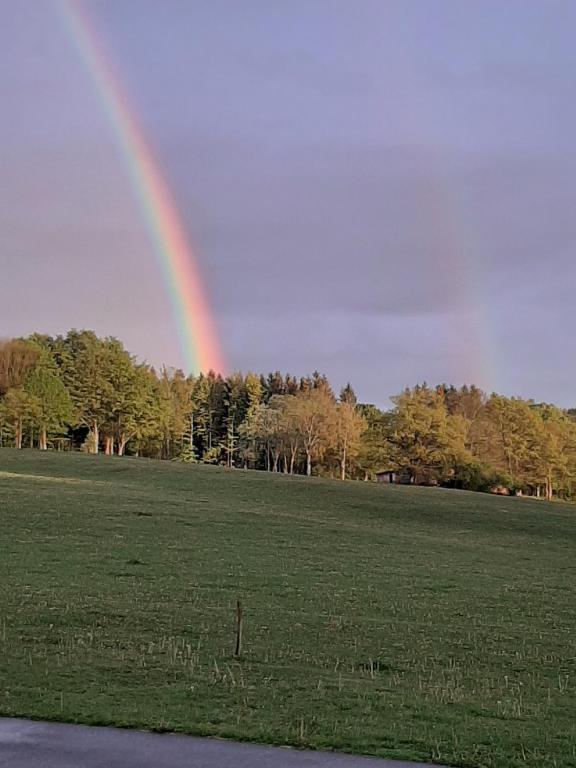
{"type": "Point", "coordinates": [82, 392]}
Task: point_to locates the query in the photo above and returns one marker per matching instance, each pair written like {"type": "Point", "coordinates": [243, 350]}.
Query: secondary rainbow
{"type": "Point", "coordinates": [187, 294]}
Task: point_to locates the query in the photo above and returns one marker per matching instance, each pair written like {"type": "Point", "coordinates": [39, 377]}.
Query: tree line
{"type": "Point", "coordinates": [83, 392]}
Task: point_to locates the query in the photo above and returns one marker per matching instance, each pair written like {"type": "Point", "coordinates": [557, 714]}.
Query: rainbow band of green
{"type": "Point", "coordinates": [186, 292]}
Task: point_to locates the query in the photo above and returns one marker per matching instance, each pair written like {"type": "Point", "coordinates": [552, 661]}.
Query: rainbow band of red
{"type": "Point", "coordinates": [186, 291]}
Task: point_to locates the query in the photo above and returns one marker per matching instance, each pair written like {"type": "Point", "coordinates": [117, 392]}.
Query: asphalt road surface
{"type": "Point", "coordinates": [26, 744]}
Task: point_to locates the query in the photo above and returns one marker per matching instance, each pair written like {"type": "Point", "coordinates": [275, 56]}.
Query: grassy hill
{"type": "Point", "coordinates": [402, 622]}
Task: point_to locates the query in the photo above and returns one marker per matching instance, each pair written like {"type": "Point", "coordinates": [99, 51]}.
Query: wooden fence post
{"type": "Point", "coordinates": [238, 649]}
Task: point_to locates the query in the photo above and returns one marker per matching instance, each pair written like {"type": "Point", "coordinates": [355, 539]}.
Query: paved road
{"type": "Point", "coordinates": [25, 744]}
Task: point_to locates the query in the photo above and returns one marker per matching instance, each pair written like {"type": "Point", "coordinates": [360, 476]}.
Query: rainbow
{"type": "Point", "coordinates": [471, 339]}
{"type": "Point", "coordinates": [469, 332]}
{"type": "Point", "coordinates": [180, 271]}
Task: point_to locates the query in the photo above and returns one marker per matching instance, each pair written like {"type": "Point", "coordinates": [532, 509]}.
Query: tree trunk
{"type": "Point", "coordinates": [231, 447]}
{"type": "Point", "coordinates": [96, 436]}
{"type": "Point", "coordinates": [285, 464]}
{"type": "Point", "coordinates": [43, 439]}
{"type": "Point", "coordinates": [308, 463]}
{"type": "Point", "coordinates": [122, 440]}
{"type": "Point", "coordinates": [292, 460]}
{"type": "Point", "coordinates": [18, 434]}
{"type": "Point", "coordinates": [275, 462]}
{"type": "Point", "coordinates": [109, 445]}
{"type": "Point", "coordinates": [343, 464]}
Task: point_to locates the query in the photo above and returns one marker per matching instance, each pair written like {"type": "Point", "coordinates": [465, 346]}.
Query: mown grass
{"type": "Point", "coordinates": [401, 622]}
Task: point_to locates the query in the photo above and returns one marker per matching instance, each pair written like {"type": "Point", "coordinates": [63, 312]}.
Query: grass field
{"type": "Point", "coordinates": [401, 622]}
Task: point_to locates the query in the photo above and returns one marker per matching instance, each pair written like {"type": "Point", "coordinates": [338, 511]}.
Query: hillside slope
{"type": "Point", "coordinates": [401, 622]}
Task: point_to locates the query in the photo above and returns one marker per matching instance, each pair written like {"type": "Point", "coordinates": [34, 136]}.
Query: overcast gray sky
{"type": "Point", "coordinates": [384, 191]}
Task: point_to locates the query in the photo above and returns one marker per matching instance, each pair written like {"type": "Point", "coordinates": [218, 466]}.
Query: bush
{"type": "Point", "coordinates": [475, 476]}
{"type": "Point", "coordinates": [187, 455]}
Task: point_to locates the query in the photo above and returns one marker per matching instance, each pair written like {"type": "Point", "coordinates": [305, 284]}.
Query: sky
{"type": "Point", "coordinates": [381, 190]}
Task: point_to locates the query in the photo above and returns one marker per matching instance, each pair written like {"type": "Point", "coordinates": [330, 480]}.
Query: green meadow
{"type": "Point", "coordinates": [402, 622]}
